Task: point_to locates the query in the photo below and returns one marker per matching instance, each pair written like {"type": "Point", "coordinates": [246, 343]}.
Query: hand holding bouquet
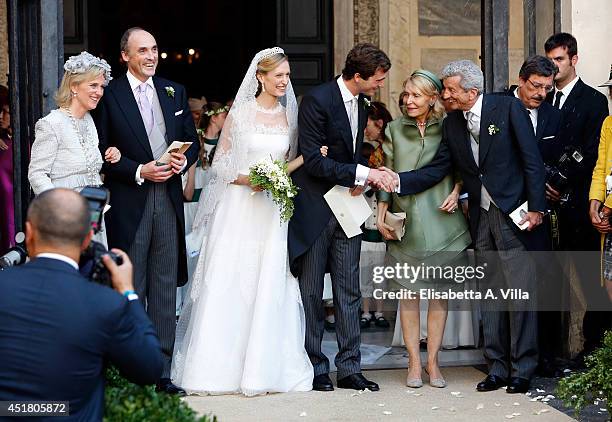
{"type": "Point", "coordinates": [271, 175]}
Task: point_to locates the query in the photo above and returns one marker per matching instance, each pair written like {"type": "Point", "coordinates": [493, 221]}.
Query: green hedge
{"type": "Point", "coordinates": [582, 388]}
{"type": "Point", "coordinates": [127, 402]}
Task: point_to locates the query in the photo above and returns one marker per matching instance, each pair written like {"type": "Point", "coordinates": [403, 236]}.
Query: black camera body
{"type": "Point", "coordinates": [557, 175]}
{"type": "Point", "coordinates": [90, 262]}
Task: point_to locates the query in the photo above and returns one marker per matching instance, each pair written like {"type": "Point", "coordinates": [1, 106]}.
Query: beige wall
{"type": "Point", "coordinates": [398, 35]}
{"type": "Point", "coordinates": [4, 57]}
{"type": "Point", "coordinates": [591, 24]}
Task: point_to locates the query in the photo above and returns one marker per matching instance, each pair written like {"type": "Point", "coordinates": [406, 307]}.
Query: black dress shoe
{"type": "Point", "coordinates": [357, 382]}
{"type": "Point", "coordinates": [165, 385]}
{"type": "Point", "coordinates": [322, 383]}
{"type": "Point", "coordinates": [491, 383]}
{"type": "Point", "coordinates": [365, 323]}
{"type": "Point", "coordinates": [381, 322]}
{"type": "Point", "coordinates": [517, 385]}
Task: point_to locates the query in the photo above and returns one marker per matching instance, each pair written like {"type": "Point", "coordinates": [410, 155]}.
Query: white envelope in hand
{"type": "Point", "coordinates": [517, 216]}
{"type": "Point", "coordinates": [350, 211]}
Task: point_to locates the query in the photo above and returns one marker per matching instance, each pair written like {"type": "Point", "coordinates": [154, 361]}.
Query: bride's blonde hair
{"type": "Point", "coordinates": [268, 64]}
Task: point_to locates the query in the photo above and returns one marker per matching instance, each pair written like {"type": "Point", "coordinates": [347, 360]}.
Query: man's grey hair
{"type": "Point", "coordinates": [470, 73]}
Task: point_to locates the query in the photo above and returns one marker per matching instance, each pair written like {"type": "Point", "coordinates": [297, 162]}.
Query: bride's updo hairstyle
{"type": "Point", "coordinates": [268, 64]}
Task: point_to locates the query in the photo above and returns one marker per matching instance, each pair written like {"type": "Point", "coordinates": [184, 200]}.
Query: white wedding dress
{"type": "Point", "coordinates": [245, 332]}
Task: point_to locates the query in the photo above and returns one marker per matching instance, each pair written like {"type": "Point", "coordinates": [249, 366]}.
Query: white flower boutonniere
{"type": "Point", "coordinates": [367, 102]}
{"type": "Point", "coordinates": [493, 130]}
{"type": "Point", "coordinates": [170, 91]}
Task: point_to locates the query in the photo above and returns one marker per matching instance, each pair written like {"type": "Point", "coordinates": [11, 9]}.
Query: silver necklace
{"type": "Point", "coordinates": [87, 146]}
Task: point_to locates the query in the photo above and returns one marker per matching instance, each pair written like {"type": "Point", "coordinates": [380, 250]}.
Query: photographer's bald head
{"type": "Point", "coordinates": [58, 222]}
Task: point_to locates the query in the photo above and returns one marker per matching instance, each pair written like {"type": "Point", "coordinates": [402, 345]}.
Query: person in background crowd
{"type": "Point", "coordinates": [600, 195]}
{"type": "Point", "coordinates": [372, 245]}
{"type": "Point", "coordinates": [7, 209]}
{"type": "Point", "coordinates": [536, 80]}
{"type": "Point", "coordinates": [195, 107]}
{"type": "Point", "coordinates": [211, 122]}
{"type": "Point", "coordinates": [583, 111]}
{"type": "Point", "coordinates": [65, 150]}
{"type": "Point", "coordinates": [434, 232]}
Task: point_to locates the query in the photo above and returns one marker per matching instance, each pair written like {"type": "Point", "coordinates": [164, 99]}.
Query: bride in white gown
{"type": "Point", "coordinates": [242, 326]}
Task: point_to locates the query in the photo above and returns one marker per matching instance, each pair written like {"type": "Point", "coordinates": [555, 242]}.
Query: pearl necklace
{"type": "Point", "coordinates": [87, 144]}
{"type": "Point", "coordinates": [421, 124]}
{"type": "Point", "coordinates": [272, 110]}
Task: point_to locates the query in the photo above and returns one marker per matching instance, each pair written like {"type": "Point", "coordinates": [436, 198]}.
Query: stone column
{"type": "Point", "coordinates": [4, 57]}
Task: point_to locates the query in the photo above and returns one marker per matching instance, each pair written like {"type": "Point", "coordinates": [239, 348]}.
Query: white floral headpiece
{"type": "Point", "coordinates": [85, 61]}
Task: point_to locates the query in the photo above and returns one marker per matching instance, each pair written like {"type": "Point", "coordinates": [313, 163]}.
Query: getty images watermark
{"type": "Point", "coordinates": [447, 279]}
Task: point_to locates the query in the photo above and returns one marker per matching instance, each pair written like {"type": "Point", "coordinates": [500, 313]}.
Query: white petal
{"type": "Point", "coordinates": [381, 404]}
{"type": "Point", "coordinates": [434, 407]}
{"type": "Point", "coordinates": [386, 412]}
{"type": "Point", "coordinates": [516, 404]}
{"type": "Point", "coordinates": [497, 404]}
{"type": "Point", "coordinates": [456, 393]}
{"type": "Point", "coordinates": [480, 406]}
{"type": "Point", "coordinates": [303, 414]}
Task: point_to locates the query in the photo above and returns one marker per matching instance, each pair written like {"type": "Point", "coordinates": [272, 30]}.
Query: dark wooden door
{"type": "Point", "coordinates": [305, 32]}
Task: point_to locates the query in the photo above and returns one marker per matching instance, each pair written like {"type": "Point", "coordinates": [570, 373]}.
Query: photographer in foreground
{"type": "Point", "coordinates": [57, 329]}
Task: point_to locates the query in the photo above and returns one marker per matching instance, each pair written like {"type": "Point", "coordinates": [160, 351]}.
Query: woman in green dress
{"type": "Point", "coordinates": [435, 234]}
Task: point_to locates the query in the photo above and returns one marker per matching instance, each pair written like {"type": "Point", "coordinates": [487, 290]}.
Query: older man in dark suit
{"type": "Point", "coordinates": [141, 114]}
{"type": "Point", "coordinates": [58, 329]}
{"type": "Point", "coordinates": [490, 140]}
{"type": "Point", "coordinates": [536, 80]}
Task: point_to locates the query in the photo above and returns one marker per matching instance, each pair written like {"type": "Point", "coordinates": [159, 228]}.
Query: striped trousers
{"type": "Point", "coordinates": [335, 251]}
{"type": "Point", "coordinates": [154, 254]}
{"type": "Point", "coordinates": [510, 329]}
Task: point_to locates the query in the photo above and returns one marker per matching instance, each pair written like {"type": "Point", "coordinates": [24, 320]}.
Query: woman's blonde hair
{"type": "Point", "coordinates": [426, 87]}
{"type": "Point", "coordinates": [63, 96]}
{"type": "Point", "coordinates": [268, 64]}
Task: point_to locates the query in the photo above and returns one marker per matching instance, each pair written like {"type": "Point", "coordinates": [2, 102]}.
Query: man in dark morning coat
{"type": "Point", "coordinates": [490, 140]}
{"type": "Point", "coordinates": [141, 114]}
{"type": "Point", "coordinates": [334, 114]}
{"type": "Point", "coordinates": [58, 330]}
{"type": "Point", "coordinates": [583, 111]}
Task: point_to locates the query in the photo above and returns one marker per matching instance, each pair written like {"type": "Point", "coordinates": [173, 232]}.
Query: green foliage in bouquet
{"type": "Point", "coordinates": [271, 176]}
{"type": "Point", "coordinates": [127, 402]}
{"type": "Point", "coordinates": [581, 389]}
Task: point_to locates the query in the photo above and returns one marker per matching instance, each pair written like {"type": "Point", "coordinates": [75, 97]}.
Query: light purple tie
{"type": "Point", "coordinates": [146, 111]}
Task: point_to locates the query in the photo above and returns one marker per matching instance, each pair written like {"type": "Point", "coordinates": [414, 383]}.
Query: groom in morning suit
{"type": "Point", "coordinates": [490, 140]}
{"type": "Point", "coordinates": [334, 114]}
{"type": "Point", "coordinates": [141, 114]}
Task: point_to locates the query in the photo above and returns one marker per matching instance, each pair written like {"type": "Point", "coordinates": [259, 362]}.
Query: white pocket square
{"type": "Point", "coordinates": [178, 113]}
{"type": "Point", "coordinates": [546, 137]}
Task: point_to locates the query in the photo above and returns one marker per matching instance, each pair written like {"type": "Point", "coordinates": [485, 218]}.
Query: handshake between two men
{"type": "Point", "coordinates": [381, 178]}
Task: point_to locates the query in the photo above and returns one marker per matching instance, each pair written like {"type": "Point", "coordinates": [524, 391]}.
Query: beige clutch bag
{"type": "Point", "coordinates": [396, 220]}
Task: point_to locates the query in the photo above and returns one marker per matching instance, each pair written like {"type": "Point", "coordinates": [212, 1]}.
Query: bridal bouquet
{"type": "Point", "coordinates": [271, 176]}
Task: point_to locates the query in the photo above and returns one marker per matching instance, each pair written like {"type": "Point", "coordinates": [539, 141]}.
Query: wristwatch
{"type": "Point", "coordinates": [130, 295]}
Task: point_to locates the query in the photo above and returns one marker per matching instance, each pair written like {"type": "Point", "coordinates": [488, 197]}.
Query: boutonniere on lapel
{"type": "Point", "coordinates": [169, 91]}
{"type": "Point", "coordinates": [493, 130]}
{"type": "Point", "coordinates": [367, 102]}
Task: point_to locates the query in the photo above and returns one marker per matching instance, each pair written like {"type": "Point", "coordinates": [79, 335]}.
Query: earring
{"type": "Point", "coordinates": [431, 104]}
{"type": "Point", "coordinates": [74, 94]}
{"type": "Point", "coordinates": [263, 87]}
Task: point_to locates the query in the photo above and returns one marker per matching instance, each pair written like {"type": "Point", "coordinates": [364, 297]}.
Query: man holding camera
{"type": "Point", "coordinates": [57, 329]}
{"type": "Point", "coordinates": [583, 110]}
